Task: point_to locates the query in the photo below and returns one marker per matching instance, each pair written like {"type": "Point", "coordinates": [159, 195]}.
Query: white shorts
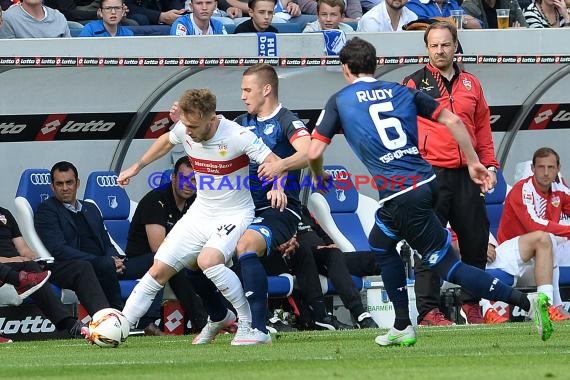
{"type": "Point", "coordinates": [563, 253]}
{"type": "Point", "coordinates": [509, 260]}
{"type": "Point", "coordinates": [195, 230]}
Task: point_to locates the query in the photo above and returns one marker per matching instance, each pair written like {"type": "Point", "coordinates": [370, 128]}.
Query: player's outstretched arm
{"type": "Point", "coordinates": [159, 148]}
{"type": "Point", "coordinates": [479, 174]}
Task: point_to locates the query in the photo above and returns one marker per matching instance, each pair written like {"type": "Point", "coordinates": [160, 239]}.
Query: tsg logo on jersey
{"type": "Point", "coordinates": [40, 179]}
{"type": "Point", "coordinates": [107, 180]}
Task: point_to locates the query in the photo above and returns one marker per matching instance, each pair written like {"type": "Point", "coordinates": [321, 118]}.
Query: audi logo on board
{"type": "Point", "coordinates": [40, 178]}
{"type": "Point", "coordinates": [107, 180]}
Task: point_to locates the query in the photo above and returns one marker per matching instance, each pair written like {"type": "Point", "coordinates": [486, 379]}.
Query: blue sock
{"type": "Point", "coordinates": [211, 297]}
{"type": "Point", "coordinates": [480, 283]}
{"type": "Point", "coordinates": [394, 278]}
{"type": "Point", "coordinates": [254, 280]}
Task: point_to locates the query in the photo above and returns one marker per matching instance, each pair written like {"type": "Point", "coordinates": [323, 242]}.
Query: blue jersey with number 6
{"type": "Point", "coordinates": [379, 121]}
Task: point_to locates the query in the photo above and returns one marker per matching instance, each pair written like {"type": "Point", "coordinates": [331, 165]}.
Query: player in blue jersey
{"type": "Point", "coordinates": [289, 139]}
{"type": "Point", "coordinates": [379, 122]}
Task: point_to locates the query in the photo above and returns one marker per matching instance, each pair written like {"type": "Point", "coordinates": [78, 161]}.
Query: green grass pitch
{"type": "Point", "coordinates": [509, 351]}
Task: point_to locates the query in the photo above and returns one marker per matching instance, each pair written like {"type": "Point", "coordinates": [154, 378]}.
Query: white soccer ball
{"type": "Point", "coordinates": [108, 328]}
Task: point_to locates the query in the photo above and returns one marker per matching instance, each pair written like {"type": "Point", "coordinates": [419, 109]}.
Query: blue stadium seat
{"type": "Point", "coordinates": [346, 215]}
{"type": "Point", "coordinates": [495, 201]}
{"type": "Point", "coordinates": [33, 189]}
{"type": "Point", "coordinates": [112, 200]}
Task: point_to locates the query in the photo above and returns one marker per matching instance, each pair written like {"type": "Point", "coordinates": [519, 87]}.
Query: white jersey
{"type": "Point", "coordinates": [221, 165]}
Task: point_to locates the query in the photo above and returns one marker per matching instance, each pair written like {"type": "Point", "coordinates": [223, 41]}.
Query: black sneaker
{"type": "Point", "coordinates": [331, 323]}
{"type": "Point", "coordinates": [365, 321]}
{"type": "Point", "coordinates": [275, 325]}
{"type": "Point", "coordinates": [78, 331]}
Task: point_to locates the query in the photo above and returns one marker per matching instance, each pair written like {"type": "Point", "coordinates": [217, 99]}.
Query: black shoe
{"type": "Point", "coordinates": [153, 330]}
{"type": "Point", "coordinates": [331, 323]}
{"type": "Point", "coordinates": [78, 331]}
{"type": "Point", "coordinates": [365, 321]}
{"type": "Point", "coordinates": [275, 325]}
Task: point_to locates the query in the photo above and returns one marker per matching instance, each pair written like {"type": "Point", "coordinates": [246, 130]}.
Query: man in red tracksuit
{"type": "Point", "coordinates": [460, 201]}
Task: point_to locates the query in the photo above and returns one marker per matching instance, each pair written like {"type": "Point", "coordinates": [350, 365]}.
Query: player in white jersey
{"type": "Point", "coordinates": [205, 238]}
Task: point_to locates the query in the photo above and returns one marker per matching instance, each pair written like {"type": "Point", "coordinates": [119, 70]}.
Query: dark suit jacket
{"type": "Point", "coordinates": [58, 231]}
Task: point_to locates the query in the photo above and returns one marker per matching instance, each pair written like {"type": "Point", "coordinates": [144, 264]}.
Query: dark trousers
{"type": "Point", "coordinates": [80, 277]}
{"type": "Point", "coordinates": [332, 263]}
{"type": "Point", "coordinates": [106, 272]}
{"type": "Point", "coordinates": [303, 266]}
{"type": "Point", "coordinates": [7, 275]}
{"type": "Point", "coordinates": [44, 298]}
{"type": "Point", "coordinates": [137, 266]}
{"type": "Point", "coordinates": [460, 203]}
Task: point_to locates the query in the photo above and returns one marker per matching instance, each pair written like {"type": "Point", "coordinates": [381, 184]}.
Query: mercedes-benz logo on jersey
{"type": "Point", "coordinates": [40, 178]}
{"type": "Point", "coordinates": [107, 180]}
{"type": "Point", "coordinates": [113, 201]}
{"type": "Point", "coordinates": [340, 195]}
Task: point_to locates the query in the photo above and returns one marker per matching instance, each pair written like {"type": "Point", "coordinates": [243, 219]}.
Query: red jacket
{"type": "Point", "coordinates": [527, 209]}
{"type": "Point", "coordinates": [467, 101]}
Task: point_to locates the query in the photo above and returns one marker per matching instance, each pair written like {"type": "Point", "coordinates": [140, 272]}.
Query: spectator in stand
{"type": "Point", "coordinates": [547, 14]}
{"type": "Point", "coordinates": [330, 14]}
{"type": "Point", "coordinates": [352, 12]}
{"type": "Point", "coordinates": [111, 13]}
{"type": "Point", "coordinates": [83, 11]}
{"type": "Point", "coordinates": [388, 16]}
{"type": "Point", "coordinates": [73, 230]}
{"type": "Point", "coordinates": [156, 214]}
{"type": "Point", "coordinates": [261, 14]}
{"type": "Point", "coordinates": [459, 199]}
{"type": "Point", "coordinates": [31, 19]}
{"type": "Point", "coordinates": [486, 11]}
{"type": "Point", "coordinates": [199, 22]}
{"type": "Point", "coordinates": [538, 203]}
{"type": "Point", "coordinates": [426, 9]}
{"type": "Point", "coordinates": [155, 12]}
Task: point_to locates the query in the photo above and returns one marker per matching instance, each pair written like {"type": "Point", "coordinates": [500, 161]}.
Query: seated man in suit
{"type": "Point", "coordinates": [73, 230]}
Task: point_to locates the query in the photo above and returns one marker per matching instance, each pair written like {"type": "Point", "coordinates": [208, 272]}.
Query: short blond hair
{"type": "Point", "coordinates": [200, 102]}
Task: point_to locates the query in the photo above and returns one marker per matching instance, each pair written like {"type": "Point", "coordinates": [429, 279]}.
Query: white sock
{"type": "Point", "coordinates": [140, 299]}
{"type": "Point", "coordinates": [485, 305]}
{"type": "Point", "coordinates": [556, 298]}
{"type": "Point", "coordinates": [229, 285]}
{"type": "Point", "coordinates": [546, 289]}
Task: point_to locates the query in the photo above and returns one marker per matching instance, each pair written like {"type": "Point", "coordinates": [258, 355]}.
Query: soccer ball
{"type": "Point", "coordinates": [108, 328]}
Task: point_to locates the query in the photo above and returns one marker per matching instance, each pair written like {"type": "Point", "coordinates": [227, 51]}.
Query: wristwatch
{"type": "Point", "coordinates": [492, 169]}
